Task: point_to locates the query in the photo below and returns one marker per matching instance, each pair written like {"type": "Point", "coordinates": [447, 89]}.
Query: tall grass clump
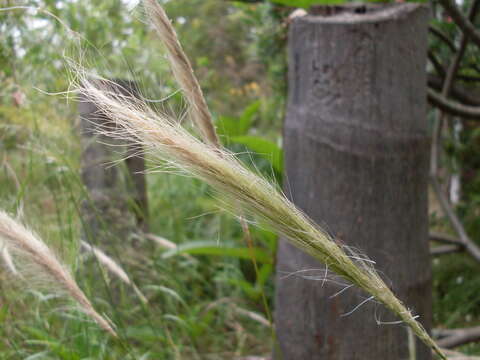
{"type": "Point", "coordinates": [167, 141]}
{"type": "Point", "coordinates": [37, 266]}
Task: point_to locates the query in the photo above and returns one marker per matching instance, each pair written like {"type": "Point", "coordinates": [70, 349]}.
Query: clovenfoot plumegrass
{"type": "Point", "coordinates": [166, 140]}
{"type": "Point", "coordinates": [39, 266]}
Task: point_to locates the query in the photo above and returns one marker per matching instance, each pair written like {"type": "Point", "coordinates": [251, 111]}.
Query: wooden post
{"type": "Point", "coordinates": [117, 201]}
{"type": "Point", "coordinates": [357, 153]}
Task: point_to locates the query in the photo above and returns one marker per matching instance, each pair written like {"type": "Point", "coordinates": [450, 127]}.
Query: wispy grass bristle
{"type": "Point", "coordinates": [7, 258]}
{"type": "Point", "coordinates": [164, 139]}
{"type": "Point", "coordinates": [167, 141]}
{"type": "Point", "coordinates": [40, 267]}
{"type": "Point", "coordinates": [182, 71]}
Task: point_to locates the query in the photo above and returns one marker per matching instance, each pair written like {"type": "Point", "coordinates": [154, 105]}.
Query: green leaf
{"type": "Point", "coordinates": [307, 3]}
{"type": "Point", "coordinates": [263, 275]}
{"type": "Point", "coordinates": [247, 288]}
{"type": "Point", "coordinates": [246, 120]}
{"type": "Point", "coordinates": [56, 347]}
{"type": "Point", "coordinates": [143, 333]}
{"type": "Point", "coordinates": [228, 126]}
{"type": "Point", "coordinates": [212, 248]}
{"type": "Point", "coordinates": [169, 292]}
{"type": "Point", "coordinates": [265, 148]}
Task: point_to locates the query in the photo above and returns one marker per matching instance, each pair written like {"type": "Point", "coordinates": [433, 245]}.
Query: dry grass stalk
{"type": "Point", "coordinates": [259, 318]}
{"type": "Point", "coordinates": [39, 263]}
{"type": "Point", "coordinates": [114, 268]}
{"type": "Point", "coordinates": [162, 242]}
{"type": "Point", "coordinates": [7, 258]}
{"type": "Point", "coordinates": [183, 71]}
{"type": "Point", "coordinates": [187, 80]}
{"type": "Point", "coordinates": [166, 244]}
{"type": "Point", "coordinates": [166, 140]}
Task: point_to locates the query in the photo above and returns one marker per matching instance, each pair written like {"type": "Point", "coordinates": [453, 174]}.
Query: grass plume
{"type": "Point", "coordinates": [182, 71]}
{"type": "Point", "coordinates": [162, 242]}
{"type": "Point", "coordinates": [7, 258]}
{"type": "Point", "coordinates": [166, 140]}
{"type": "Point", "coordinates": [38, 263]}
{"type": "Point", "coordinates": [197, 104]}
{"type": "Point", "coordinates": [114, 268]}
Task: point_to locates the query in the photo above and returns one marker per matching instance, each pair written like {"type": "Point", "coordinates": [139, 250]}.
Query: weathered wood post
{"type": "Point", "coordinates": [356, 152]}
{"type": "Point", "coordinates": [117, 202]}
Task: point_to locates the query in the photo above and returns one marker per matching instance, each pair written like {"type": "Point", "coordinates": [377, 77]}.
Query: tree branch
{"type": "Point", "coordinates": [470, 246]}
{"type": "Point", "coordinates": [457, 337]}
{"type": "Point", "coordinates": [440, 35]}
{"type": "Point", "coordinates": [453, 244]}
{"type": "Point", "coordinates": [462, 94]}
{"type": "Point", "coordinates": [436, 63]}
{"type": "Point", "coordinates": [463, 23]}
{"type": "Point", "coordinates": [444, 238]}
{"type": "Point", "coordinates": [453, 108]}
{"type": "Point", "coordinates": [455, 355]}
{"type": "Point", "coordinates": [445, 249]}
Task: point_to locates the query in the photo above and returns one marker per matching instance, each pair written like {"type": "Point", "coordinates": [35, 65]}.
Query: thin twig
{"type": "Point", "coordinates": [457, 225]}
{"type": "Point", "coordinates": [462, 94]}
{"type": "Point", "coordinates": [456, 337]}
{"type": "Point", "coordinates": [452, 107]}
{"type": "Point", "coordinates": [445, 249]}
{"type": "Point", "coordinates": [447, 85]}
{"type": "Point", "coordinates": [463, 23]}
{"type": "Point", "coordinates": [443, 37]}
{"type": "Point", "coordinates": [470, 246]}
{"type": "Point", "coordinates": [455, 355]}
{"type": "Point", "coordinates": [444, 238]}
{"type": "Point", "coordinates": [436, 63]}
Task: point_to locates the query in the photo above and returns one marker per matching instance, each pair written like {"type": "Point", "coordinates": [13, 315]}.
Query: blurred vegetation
{"type": "Point", "coordinates": [238, 52]}
{"type": "Point", "coordinates": [456, 280]}
{"type": "Point", "coordinates": [240, 63]}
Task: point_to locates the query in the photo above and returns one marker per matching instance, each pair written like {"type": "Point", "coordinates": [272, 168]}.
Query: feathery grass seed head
{"type": "Point", "coordinates": [182, 71]}
{"type": "Point", "coordinates": [167, 141]}
{"type": "Point", "coordinates": [39, 266]}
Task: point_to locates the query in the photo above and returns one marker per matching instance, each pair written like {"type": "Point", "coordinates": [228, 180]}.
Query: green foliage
{"type": "Point", "coordinates": [39, 141]}
{"type": "Point", "coordinates": [455, 281]}
{"type": "Point", "coordinates": [236, 131]}
{"type": "Point", "coordinates": [214, 248]}
{"type": "Point", "coordinates": [230, 126]}
{"type": "Point", "coordinates": [265, 148]}
{"type": "Point", "coordinates": [307, 3]}
{"type": "Point", "coordinates": [456, 285]}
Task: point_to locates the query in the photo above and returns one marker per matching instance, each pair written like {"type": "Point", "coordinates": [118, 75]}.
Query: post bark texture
{"type": "Point", "coordinates": [357, 154]}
